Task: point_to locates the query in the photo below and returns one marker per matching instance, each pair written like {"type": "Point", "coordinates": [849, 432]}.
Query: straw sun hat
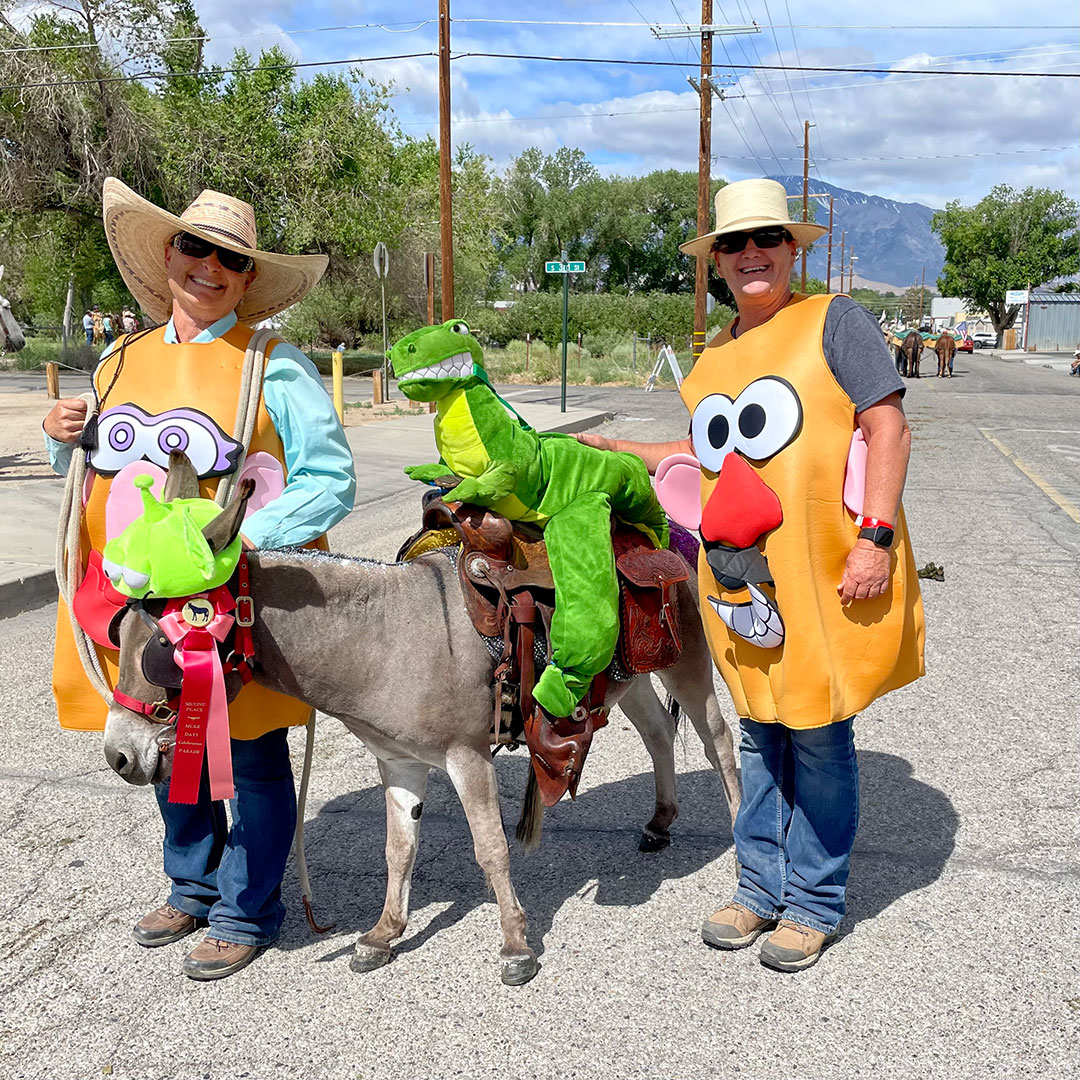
{"type": "Point", "coordinates": [752, 204]}
{"type": "Point", "coordinates": [138, 231]}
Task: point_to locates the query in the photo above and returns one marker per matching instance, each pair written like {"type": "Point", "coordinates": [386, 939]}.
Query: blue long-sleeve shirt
{"type": "Point", "coordinates": [320, 484]}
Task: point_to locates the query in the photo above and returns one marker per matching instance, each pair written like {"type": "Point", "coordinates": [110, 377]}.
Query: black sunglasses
{"type": "Point", "coordinates": [196, 247]}
{"type": "Point", "coordinates": [733, 243]}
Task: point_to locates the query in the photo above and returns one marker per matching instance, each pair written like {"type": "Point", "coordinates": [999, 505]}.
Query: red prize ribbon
{"type": "Point", "coordinates": [203, 722]}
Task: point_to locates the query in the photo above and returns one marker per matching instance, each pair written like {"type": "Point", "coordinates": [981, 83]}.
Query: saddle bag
{"type": "Point", "coordinates": [649, 608]}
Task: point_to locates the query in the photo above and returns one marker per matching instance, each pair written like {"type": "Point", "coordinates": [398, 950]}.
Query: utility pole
{"type": "Point", "coordinates": [851, 268]}
{"type": "Point", "coordinates": [805, 189]}
{"type": "Point", "coordinates": [828, 270]}
{"type": "Point", "coordinates": [922, 296]}
{"type": "Point", "coordinates": [446, 213]}
{"type": "Point", "coordinates": [843, 235]}
{"type": "Point", "coordinates": [701, 263]}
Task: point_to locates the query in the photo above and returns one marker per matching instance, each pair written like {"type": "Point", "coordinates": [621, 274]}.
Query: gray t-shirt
{"type": "Point", "coordinates": [857, 355]}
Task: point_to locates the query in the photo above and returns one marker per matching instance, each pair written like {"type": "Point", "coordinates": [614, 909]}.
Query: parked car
{"type": "Point", "coordinates": [984, 339]}
{"type": "Point", "coordinates": [965, 344]}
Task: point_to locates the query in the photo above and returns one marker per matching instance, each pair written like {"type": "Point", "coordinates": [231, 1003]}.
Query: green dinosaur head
{"type": "Point", "coordinates": [164, 552]}
{"type": "Point", "coordinates": [432, 361]}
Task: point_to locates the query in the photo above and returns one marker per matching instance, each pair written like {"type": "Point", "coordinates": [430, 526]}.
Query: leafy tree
{"type": "Point", "coordinates": [1008, 240]}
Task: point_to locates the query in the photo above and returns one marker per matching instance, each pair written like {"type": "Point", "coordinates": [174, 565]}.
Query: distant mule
{"type": "Point", "coordinates": [946, 351]}
{"type": "Point", "coordinates": [908, 354]}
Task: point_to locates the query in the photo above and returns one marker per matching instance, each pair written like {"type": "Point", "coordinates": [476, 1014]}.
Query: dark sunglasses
{"type": "Point", "coordinates": [195, 247]}
{"type": "Point", "coordinates": [733, 243]}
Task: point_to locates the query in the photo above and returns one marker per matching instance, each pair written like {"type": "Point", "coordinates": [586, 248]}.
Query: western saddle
{"type": "Point", "coordinates": [509, 593]}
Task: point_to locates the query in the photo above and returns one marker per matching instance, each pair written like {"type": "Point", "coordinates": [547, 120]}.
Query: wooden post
{"type": "Point", "coordinates": [377, 395]}
{"type": "Point", "coordinates": [52, 380]}
{"type": "Point", "coordinates": [701, 263]}
{"type": "Point", "coordinates": [528, 349]}
{"type": "Point", "coordinates": [337, 370]}
{"type": "Point", "coordinates": [828, 270]}
{"type": "Point", "coordinates": [851, 269]}
{"type": "Point", "coordinates": [579, 351]}
{"type": "Point", "coordinates": [429, 285]}
{"type": "Point", "coordinates": [922, 296]}
{"type": "Point", "coordinates": [446, 214]}
{"type": "Point", "coordinates": [843, 237]}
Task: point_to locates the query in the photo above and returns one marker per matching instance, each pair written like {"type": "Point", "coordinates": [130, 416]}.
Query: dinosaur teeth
{"type": "Point", "coordinates": [453, 367]}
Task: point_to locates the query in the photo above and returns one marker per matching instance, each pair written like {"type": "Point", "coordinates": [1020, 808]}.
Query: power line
{"type": "Point", "coordinates": [797, 26]}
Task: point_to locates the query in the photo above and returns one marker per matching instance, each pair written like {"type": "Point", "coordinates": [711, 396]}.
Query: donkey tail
{"type": "Point", "coordinates": [530, 825]}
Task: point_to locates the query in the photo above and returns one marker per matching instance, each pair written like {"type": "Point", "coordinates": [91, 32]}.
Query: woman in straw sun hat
{"type": "Point", "coordinates": [809, 594]}
{"type": "Point", "coordinates": [203, 276]}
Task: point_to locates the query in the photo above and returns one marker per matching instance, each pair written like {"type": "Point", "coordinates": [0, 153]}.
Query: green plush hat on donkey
{"type": "Point", "coordinates": [569, 489]}
{"type": "Point", "coordinates": [168, 551]}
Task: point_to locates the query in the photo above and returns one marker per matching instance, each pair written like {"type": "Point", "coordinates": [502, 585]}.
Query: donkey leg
{"type": "Point", "coordinates": [473, 776]}
{"type": "Point", "coordinates": [656, 726]}
{"type": "Point", "coordinates": [405, 784]}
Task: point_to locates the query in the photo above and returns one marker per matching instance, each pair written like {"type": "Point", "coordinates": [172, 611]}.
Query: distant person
{"type": "Point", "coordinates": [88, 326]}
{"type": "Point", "coordinates": [107, 325]}
{"type": "Point", "coordinates": [1074, 368]}
{"type": "Point", "coordinates": [128, 321]}
{"type": "Point", "coordinates": [99, 325]}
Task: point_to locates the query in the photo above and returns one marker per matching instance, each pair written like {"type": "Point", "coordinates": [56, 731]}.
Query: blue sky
{"type": "Point", "coordinates": [918, 138]}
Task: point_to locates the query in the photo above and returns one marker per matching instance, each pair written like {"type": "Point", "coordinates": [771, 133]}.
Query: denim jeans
{"type": "Point", "coordinates": [232, 876]}
{"type": "Point", "coordinates": [796, 825]}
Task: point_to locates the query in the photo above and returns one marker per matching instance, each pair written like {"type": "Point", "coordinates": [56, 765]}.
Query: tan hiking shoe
{"type": "Point", "coordinates": [164, 925]}
{"type": "Point", "coordinates": [734, 927]}
{"type": "Point", "coordinates": [213, 958]}
{"type": "Point", "coordinates": [793, 947]}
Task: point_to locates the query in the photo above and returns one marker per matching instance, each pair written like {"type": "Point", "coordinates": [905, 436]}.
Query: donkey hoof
{"type": "Point", "coordinates": [369, 957]}
{"type": "Point", "coordinates": [518, 970]}
{"type": "Point", "coordinates": [653, 841]}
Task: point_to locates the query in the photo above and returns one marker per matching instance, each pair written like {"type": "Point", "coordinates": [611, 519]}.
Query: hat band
{"type": "Point", "coordinates": [217, 230]}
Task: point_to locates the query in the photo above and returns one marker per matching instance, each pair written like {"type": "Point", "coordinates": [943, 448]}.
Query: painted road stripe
{"type": "Point", "coordinates": [1044, 486]}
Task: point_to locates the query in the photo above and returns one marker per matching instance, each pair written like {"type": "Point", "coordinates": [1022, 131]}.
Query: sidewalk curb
{"type": "Point", "coordinates": [31, 591]}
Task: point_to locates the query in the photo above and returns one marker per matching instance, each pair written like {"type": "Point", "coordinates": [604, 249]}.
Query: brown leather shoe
{"type": "Point", "coordinates": [793, 947]}
{"type": "Point", "coordinates": [213, 958]}
{"type": "Point", "coordinates": [164, 925]}
{"type": "Point", "coordinates": [734, 927]}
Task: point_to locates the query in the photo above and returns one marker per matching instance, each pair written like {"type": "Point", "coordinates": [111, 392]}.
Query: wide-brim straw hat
{"type": "Point", "coordinates": [138, 231]}
{"type": "Point", "coordinates": [753, 204]}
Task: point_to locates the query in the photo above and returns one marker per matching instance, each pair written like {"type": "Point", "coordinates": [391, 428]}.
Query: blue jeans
{"type": "Point", "coordinates": [796, 825]}
{"type": "Point", "coordinates": [232, 877]}
{"type": "Point", "coordinates": [89, 335]}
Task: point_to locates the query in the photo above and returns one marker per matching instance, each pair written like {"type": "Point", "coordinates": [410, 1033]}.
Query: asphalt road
{"type": "Point", "coordinates": [960, 952]}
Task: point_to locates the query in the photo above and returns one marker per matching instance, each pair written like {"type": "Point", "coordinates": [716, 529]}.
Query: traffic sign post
{"type": "Point", "coordinates": [381, 261]}
{"type": "Point", "coordinates": [562, 266]}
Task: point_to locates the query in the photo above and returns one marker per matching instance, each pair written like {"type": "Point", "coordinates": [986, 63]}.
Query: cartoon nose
{"type": "Point", "coordinates": [741, 506]}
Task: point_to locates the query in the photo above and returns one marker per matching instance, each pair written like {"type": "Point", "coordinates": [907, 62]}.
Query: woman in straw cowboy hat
{"type": "Point", "coordinates": [202, 275]}
{"type": "Point", "coordinates": [808, 587]}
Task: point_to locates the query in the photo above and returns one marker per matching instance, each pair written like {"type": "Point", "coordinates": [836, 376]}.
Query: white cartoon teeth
{"type": "Point", "coordinates": [453, 367]}
{"type": "Point", "coordinates": [756, 621]}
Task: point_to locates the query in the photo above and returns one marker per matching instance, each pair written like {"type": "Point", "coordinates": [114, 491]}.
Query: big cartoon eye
{"type": "Point", "coordinates": [759, 423]}
{"type": "Point", "coordinates": [768, 416]}
{"type": "Point", "coordinates": [713, 431]}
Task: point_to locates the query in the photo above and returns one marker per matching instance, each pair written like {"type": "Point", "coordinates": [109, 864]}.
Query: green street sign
{"type": "Point", "coordinates": [554, 268]}
{"type": "Point", "coordinates": [564, 267]}
{"type": "Point", "coordinates": [575, 268]}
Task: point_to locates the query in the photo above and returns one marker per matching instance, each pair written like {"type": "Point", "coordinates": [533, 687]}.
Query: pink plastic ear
{"type": "Point", "coordinates": [678, 487]}
{"type": "Point", "coordinates": [266, 471]}
{"type": "Point", "coordinates": [124, 503]}
{"type": "Point", "coordinates": [855, 475]}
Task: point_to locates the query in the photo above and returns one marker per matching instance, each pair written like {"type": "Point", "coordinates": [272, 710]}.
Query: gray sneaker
{"type": "Point", "coordinates": [734, 927]}
{"type": "Point", "coordinates": [164, 925]}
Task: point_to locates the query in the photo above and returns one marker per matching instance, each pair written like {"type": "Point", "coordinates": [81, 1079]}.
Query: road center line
{"type": "Point", "coordinates": [1044, 486]}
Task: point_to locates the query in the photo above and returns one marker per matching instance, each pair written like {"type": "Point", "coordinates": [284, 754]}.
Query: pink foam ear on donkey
{"type": "Point", "coordinates": [678, 487]}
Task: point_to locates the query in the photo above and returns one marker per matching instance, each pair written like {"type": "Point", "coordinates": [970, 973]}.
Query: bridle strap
{"type": "Point", "coordinates": [164, 712]}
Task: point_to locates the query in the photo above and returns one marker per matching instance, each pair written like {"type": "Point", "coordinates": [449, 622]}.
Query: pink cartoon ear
{"type": "Point", "coordinates": [265, 470]}
{"type": "Point", "coordinates": [124, 503]}
{"type": "Point", "coordinates": [678, 487]}
{"type": "Point", "coordinates": [855, 475]}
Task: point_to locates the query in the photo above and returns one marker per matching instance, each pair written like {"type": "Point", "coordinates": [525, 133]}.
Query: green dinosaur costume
{"type": "Point", "coordinates": [569, 489]}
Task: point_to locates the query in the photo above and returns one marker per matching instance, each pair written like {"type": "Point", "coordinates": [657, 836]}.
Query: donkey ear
{"type": "Point", "coordinates": [223, 530]}
{"type": "Point", "coordinates": [182, 481]}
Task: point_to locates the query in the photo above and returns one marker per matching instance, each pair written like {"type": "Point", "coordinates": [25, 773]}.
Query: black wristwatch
{"type": "Point", "coordinates": [881, 535]}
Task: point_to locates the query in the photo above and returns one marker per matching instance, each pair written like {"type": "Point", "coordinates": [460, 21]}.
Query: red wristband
{"type": "Point", "coordinates": [871, 522]}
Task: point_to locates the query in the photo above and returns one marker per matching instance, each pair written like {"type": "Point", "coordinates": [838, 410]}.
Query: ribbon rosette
{"type": "Point", "coordinates": [203, 721]}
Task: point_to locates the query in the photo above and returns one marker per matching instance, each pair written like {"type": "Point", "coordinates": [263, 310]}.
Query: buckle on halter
{"type": "Point", "coordinates": [245, 611]}
{"type": "Point", "coordinates": [162, 712]}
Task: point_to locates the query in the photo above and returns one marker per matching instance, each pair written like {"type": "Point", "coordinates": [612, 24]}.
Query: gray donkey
{"type": "Point", "coordinates": [389, 650]}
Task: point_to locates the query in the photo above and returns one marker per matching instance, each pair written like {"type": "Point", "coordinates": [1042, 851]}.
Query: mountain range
{"type": "Point", "coordinates": [892, 240]}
